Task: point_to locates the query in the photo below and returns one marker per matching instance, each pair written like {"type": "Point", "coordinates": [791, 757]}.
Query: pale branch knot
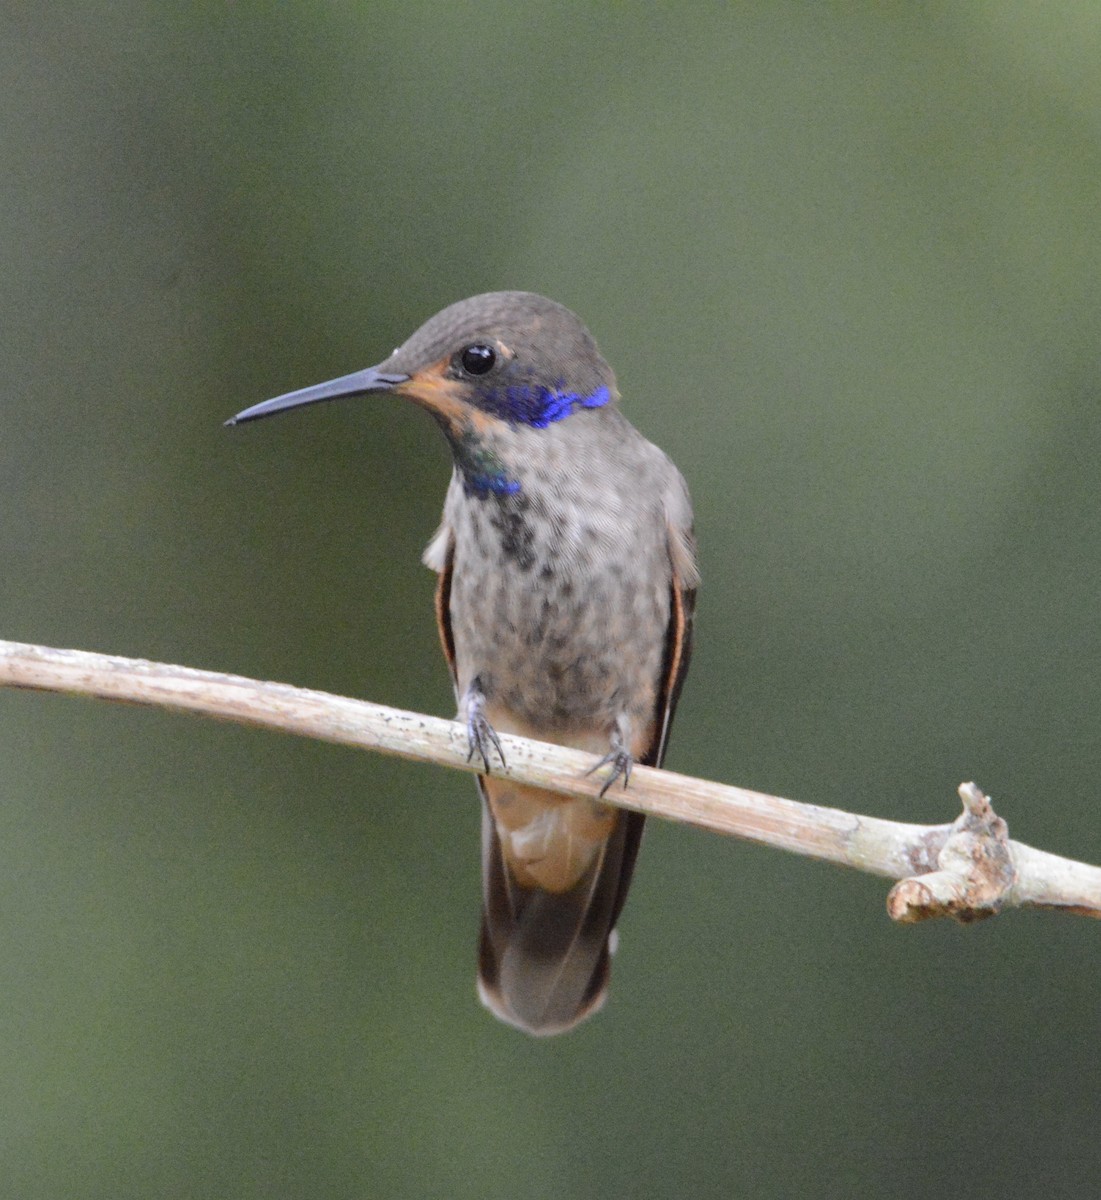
{"type": "Point", "coordinates": [975, 872]}
{"type": "Point", "coordinates": [966, 870]}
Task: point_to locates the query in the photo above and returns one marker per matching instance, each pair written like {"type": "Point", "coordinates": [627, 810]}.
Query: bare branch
{"type": "Point", "coordinates": [966, 870]}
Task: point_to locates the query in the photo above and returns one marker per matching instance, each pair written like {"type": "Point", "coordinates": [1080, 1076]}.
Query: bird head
{"type": "Point", "coordinates": [495, 361]}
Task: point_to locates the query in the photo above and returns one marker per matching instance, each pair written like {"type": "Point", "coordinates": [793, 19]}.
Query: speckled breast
{"type": "Point", "coordinates": [561, 609]}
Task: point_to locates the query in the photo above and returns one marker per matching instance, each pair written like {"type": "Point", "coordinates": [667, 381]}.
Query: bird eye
{"type": "Point", "coordinates": [477, 359]}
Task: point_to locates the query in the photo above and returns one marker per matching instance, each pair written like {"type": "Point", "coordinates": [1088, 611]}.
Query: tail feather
{"type": "Point", "coordinates": [545, 956]}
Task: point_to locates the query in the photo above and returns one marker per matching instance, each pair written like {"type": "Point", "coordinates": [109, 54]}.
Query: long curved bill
{"type": "Point", "coordinates": [359, 383]}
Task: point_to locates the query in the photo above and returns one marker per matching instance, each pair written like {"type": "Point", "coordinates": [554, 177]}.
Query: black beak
{"type": "Point", "coordinates": [359, 383]}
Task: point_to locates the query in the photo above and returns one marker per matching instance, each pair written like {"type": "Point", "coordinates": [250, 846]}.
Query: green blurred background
{"type": "Point", "coordinates": [846, 262]}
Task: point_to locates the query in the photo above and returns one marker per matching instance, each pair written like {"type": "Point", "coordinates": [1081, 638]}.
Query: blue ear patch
{"type": "Point", "coordinates": [537, 405]}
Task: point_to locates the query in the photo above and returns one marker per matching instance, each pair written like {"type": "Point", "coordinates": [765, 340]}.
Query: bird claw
{"type": "Point", "coordinates": [481, 736]}
{"type": "Point", "coordinates": [621, 761]}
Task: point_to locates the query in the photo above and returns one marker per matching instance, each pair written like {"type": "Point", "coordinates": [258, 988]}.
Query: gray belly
{"type": "Point", "coordinates": [565, 627]}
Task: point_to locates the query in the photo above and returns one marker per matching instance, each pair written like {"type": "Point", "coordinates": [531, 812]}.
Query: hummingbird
{"type": "Point", "coordinates": [567, 579]}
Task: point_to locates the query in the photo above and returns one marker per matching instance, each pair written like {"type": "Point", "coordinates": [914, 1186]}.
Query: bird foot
{"type": "Point", "coordinates": [481, 736]}
{"type": "Point", "coordinates": [620, 759]}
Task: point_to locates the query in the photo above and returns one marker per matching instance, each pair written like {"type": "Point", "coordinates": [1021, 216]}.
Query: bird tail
{"type": "Point", "coordinates": [550, 905]}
